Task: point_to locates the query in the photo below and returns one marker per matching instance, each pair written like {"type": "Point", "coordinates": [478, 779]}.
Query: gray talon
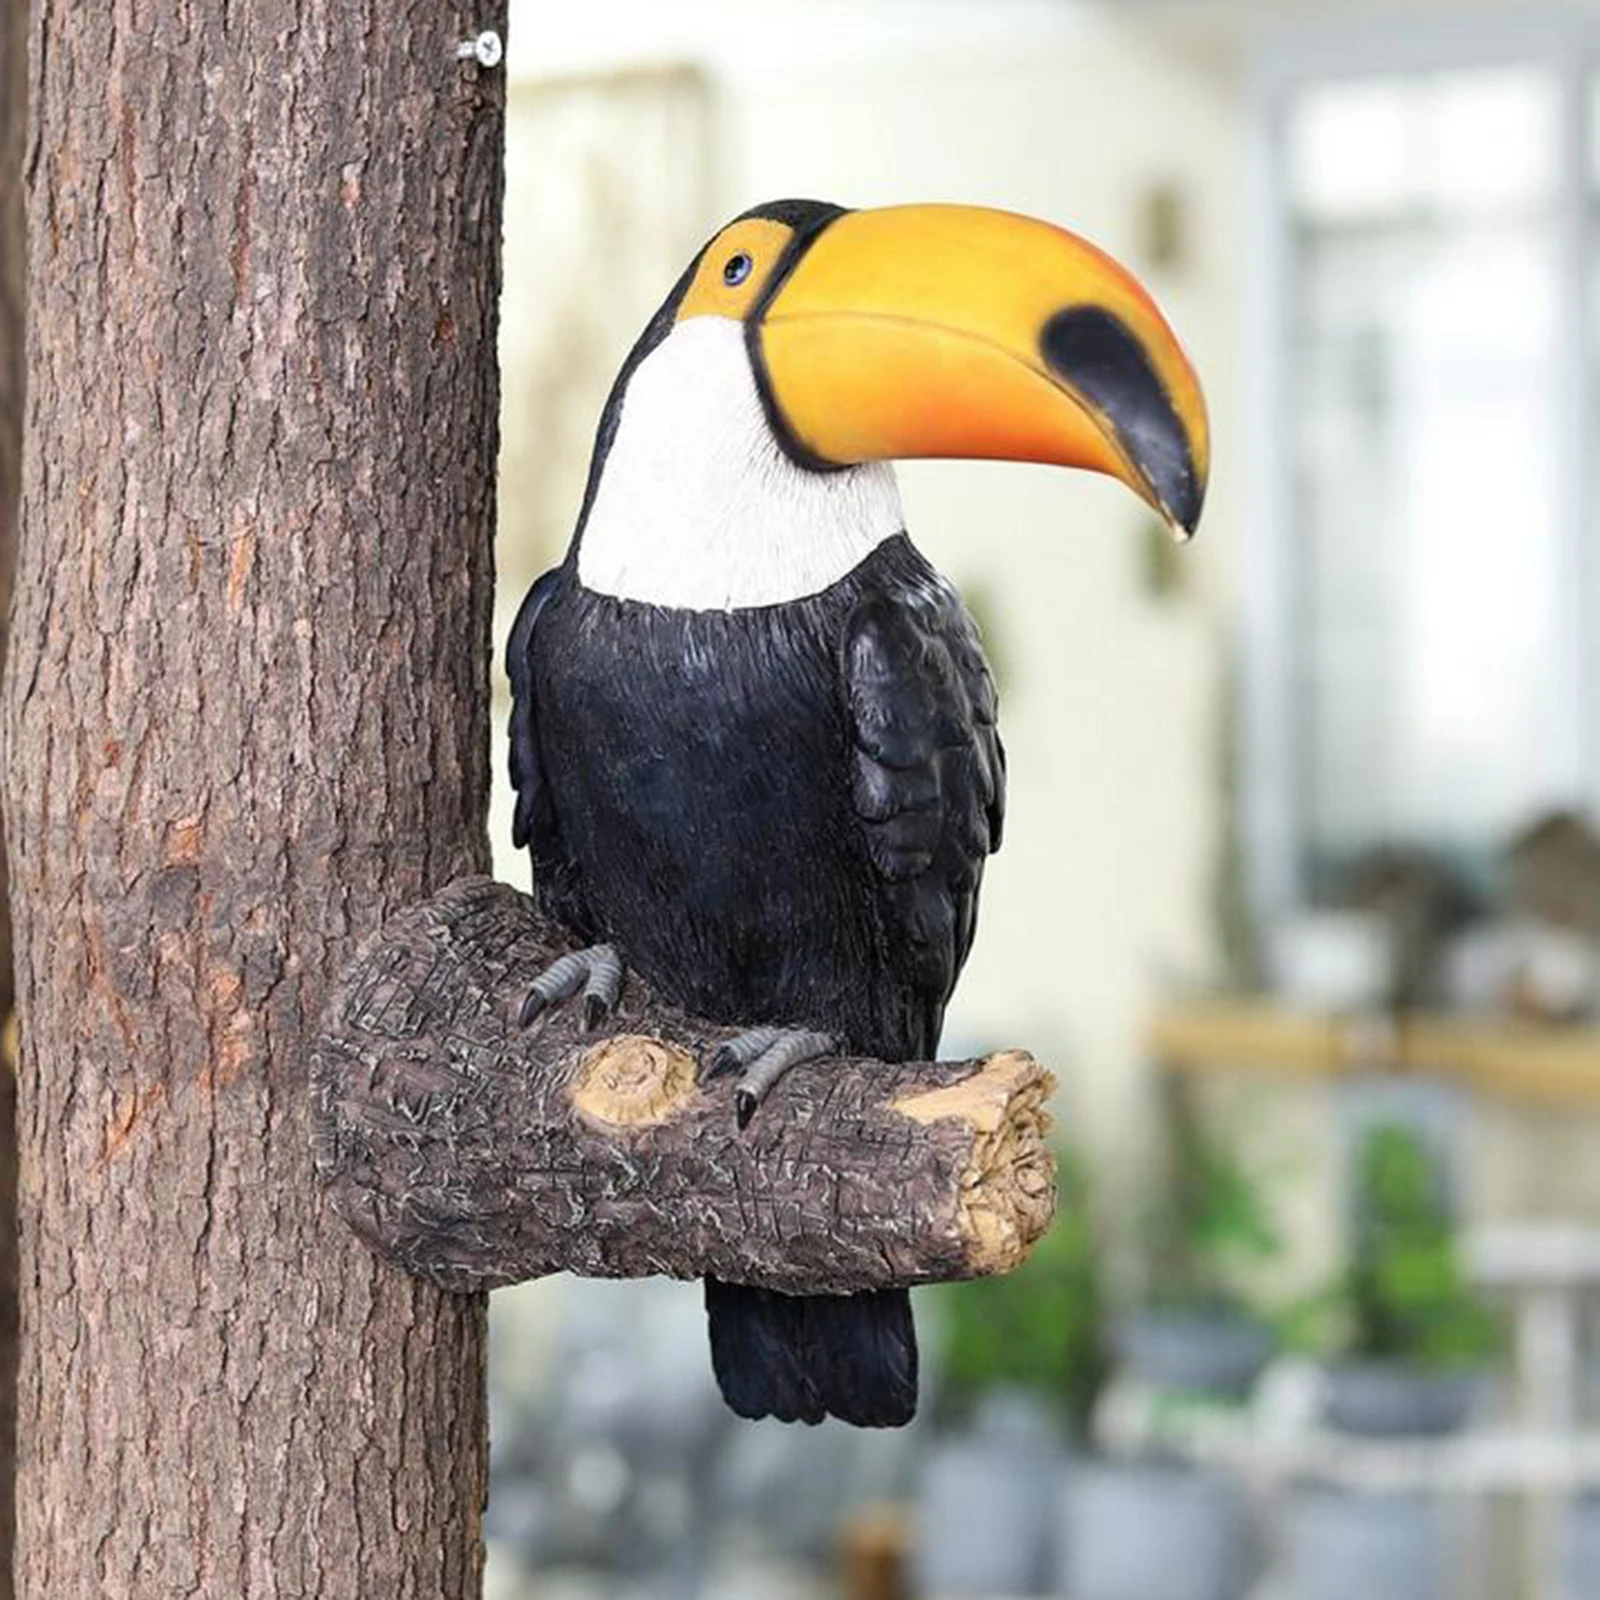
{"type": "Point", "coordinates": [597, 971]}
{"type": "Point", "coordinates": [603, 987]}
{"type": "Point", "coordinates": [763, 1055]}
{"type": "Point", "coordinates": [735, 1054]}
{"type": "Point", "coordinates": [722, 1062]}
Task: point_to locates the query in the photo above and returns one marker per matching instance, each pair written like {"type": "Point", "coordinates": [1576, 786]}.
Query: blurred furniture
{"type": "Point", "coordinates": [1553, 1065]}
{"type": "Point", "coordinates": [1276, 1444]}
{"type": "Point", "coordinates": [1549, 1273]}
{"type": "Point", "coordinates": [1542, 1452]}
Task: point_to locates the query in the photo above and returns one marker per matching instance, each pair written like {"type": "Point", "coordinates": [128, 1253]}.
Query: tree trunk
{"type": "Point", "coordinates": [246, 718]}
{"type": "Point", "coordinates": [475, 1151]}
{"type": "Point", "coordinates": [13, 114]}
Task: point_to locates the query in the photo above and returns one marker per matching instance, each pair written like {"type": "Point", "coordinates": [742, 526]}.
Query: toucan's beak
{"type": "Point", "coordinates": [958, 331]}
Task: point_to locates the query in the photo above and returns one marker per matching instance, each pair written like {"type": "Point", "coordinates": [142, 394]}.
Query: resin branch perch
{"type": "Point", "coordinates": [474, 1152]}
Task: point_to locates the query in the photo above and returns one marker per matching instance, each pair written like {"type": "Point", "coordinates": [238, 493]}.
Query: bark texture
{"type": "Point", "coordinates": [246, 718]}
{"type": "Point", "coordinates": [476, 1152]}
{"type": "Point", "coordinates": [13, 120]}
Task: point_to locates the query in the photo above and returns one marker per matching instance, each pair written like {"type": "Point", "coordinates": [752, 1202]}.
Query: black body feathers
{"type": "Point", "coordinates": [810, 789]}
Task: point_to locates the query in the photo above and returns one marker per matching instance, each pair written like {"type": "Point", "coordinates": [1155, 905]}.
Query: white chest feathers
{"type": "Point", "coordinates": [699, 508]}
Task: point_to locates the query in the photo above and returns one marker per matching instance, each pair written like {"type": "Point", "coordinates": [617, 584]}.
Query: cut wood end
{"type": "Point", "coordinates": [986, 1098]}
{"type": "Point", "coordinates": [1008, 1186]}
{"type": "Point", "coordinates": [632, 1081]}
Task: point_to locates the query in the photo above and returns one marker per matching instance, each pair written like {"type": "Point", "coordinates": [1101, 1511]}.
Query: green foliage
{"type": "Point", "coordinates": [1404, 1297]}
{"type": "Point", "coordinates": [1040, 1327]}
{"type": "Point", "coordinates": [1211, 1228]}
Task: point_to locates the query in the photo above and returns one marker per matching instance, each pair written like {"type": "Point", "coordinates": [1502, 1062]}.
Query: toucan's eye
{"type": "Point", "coordinates": [736, 269]}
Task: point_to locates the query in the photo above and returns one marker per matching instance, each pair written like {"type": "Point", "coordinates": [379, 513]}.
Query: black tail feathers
{"type": "Point", "coordinates": [850, 1356]}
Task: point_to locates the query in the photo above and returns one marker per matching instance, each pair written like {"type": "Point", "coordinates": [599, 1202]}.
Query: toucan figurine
{"type": "Point", "coordinates": [753, 732]}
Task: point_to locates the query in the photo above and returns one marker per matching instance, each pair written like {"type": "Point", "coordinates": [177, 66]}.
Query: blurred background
{"type": "Point", "coordinates": [1300, 896]}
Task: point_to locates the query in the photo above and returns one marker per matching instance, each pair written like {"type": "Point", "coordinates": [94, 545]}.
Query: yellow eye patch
{"type": "Point", "coordinates": [735, 269]}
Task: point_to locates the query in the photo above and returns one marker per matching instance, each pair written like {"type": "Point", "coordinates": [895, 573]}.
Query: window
{"type": "Point", "coordinates": [1423, 620]}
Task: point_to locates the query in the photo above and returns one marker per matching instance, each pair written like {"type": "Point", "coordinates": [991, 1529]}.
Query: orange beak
{"type": "Point", "coordinates": [958, 331]}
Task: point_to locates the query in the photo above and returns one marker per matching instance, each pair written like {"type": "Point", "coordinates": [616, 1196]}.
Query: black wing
{"type": "Point", "coordinates": [927, 782]}
{"type": "Point", "coordinates": [527, 764]}
{"type": "Point", "coordinates": [535, 822]}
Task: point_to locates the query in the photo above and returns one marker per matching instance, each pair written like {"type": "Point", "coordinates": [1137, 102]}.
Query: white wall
{"type": "Point", "coordinates": [1111, 698]}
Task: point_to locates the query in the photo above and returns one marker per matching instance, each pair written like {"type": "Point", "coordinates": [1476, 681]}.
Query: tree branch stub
{"type": "Point", "coordinates": [474, 1152]}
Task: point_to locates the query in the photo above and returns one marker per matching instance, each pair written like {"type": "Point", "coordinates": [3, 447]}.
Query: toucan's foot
{"type": "Point", "coordinates": [597, 971]}
{"type": "Point", "coordinates": [761, 1057]}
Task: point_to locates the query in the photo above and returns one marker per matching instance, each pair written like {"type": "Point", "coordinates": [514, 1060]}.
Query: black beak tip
{"type": "Point", "coordinates": [1096, 355]}
{"type": "Point", "coordinates": [1184, 506]}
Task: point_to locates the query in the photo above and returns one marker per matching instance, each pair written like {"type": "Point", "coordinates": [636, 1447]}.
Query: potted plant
{"type": "Point", "coordinates": [1154, 1528]}
{"type": "Point", "coordinates": [1197, 1334]}
{"type": "Point", "coordinates": [1038, 1329]}
{"type": "Point", "coordinates": [1343, 1544]}
{"type": "Point", "coordinates": [1018, 1363]}
{"type": "Point", "coordinates": [1414, 1339]}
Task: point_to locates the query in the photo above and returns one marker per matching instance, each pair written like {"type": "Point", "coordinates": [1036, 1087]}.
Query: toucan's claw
{"type": "Point", "coordinates": [723, 1062]}
{"type": "Point", "coordinates": [763, 1055]}
{"type": "Point", "coordinates": [735, 1054]}
{"type": "Point", "coordinates": [597, 971]}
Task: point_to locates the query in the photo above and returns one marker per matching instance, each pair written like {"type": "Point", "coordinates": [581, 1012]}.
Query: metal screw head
{"type": "Point", "coordinates": [488, 49]}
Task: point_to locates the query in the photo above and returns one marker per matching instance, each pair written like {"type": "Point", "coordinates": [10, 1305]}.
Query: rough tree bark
{"type": "Point", "coordinates": [477, 1152]}
{"type": "Point", "coordinates": [13, 113]}
{"type": "Point", "coordinates": [246, 718]}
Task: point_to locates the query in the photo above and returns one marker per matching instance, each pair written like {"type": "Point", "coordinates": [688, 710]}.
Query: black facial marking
{"type": "Point", "coordinates": [808, 218]}
{"type": "Point", "coordinates": [1094, 351]}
